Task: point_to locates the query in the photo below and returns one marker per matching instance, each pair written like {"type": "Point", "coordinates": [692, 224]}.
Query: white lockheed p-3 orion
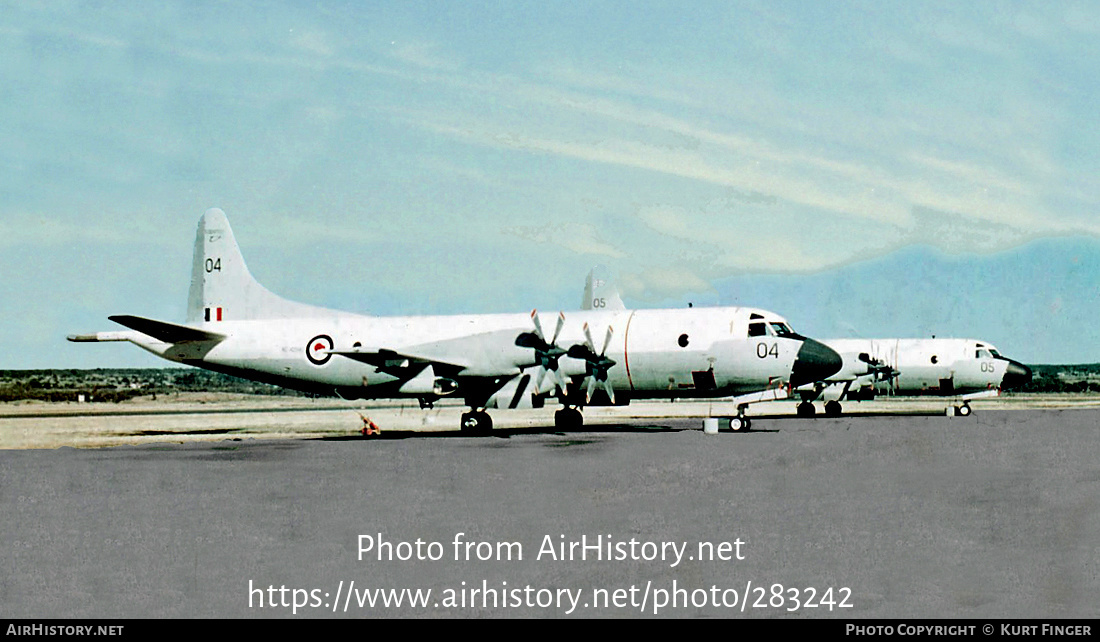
{"type": "Point", "coordinates": [958, 369]}
{"type": "Point", "coordinates": [237, 327]}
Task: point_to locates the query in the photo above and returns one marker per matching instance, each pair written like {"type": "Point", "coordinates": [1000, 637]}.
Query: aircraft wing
{"type": "Point", "coordinates": [486, 354]}
{"type": "Point", "coordinates": [400, 364]}
{"type": "Point", "coordinates": [164, 331]}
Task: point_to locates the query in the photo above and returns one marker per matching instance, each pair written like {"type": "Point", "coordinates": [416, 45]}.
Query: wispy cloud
{"type": "Point", "coordinates": [575, 237]}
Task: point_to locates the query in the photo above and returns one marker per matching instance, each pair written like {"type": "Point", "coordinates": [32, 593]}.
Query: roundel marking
{"type": "Point", "coordinates": [316, 349]}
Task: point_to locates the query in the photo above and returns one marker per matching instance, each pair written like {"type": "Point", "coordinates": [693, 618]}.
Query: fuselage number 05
{"type": "Point", "coordinates": [213, 265]}
{"type": "Point", "coordinates": [763, 350]}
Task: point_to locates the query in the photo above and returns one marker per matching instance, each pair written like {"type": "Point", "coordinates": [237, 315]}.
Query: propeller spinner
{"type": "Point", "coordinates": [596, 364]}
{"type": "Point", "coordinates": [881, 370]}
{"type": "Point", "coordinates": [547, 353]}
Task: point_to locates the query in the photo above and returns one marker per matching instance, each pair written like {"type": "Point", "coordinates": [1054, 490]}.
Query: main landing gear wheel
{"type": "Point", "coordinates": [806, 409]}
{"type": "Point", "coordinates": [476, 422]}
{"type": "Point", "coordinates": [740, 424]}
{"type": "Point", "coordinates": [963, 410]}
{"type": "Point", "coordinates": [832, 409]}
{"type": "Point", "coordinates": [568, 419]}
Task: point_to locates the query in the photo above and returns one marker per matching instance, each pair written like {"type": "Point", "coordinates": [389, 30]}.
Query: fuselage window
{"type": "Point", "coordinates": [758, 330]}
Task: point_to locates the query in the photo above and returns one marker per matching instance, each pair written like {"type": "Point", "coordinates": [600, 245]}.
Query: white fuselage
{"type": "Point", "coordinates": [602, 355]}
{"type": "Point", "coordinates": [945, 367]}
{"type": "Point", "coordinates": [657, 353]}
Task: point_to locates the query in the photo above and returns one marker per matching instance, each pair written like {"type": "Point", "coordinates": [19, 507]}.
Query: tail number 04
{"type": "Point", "coordinates": [214, 265]}
{"type": "Point", "coordinates": [763, 350]}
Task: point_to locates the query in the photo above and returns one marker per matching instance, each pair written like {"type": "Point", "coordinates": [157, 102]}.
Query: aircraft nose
{"type": "Point", "coordinates": [1016, 375]}
{"type": "Point", "coordinates": [815, 362]}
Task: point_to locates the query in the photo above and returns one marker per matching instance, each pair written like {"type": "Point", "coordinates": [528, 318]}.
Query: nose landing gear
{"type": "Point", "coordinates": [963, 410]}
{"type": "Point", "coordinates": [740, 424]}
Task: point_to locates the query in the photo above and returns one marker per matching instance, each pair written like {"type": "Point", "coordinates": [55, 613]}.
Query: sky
{"type": "Point", "coordinates": [864, 169]}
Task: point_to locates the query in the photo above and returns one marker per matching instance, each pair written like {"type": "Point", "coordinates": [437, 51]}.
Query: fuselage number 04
{"type": "Point", "coordinates": [763, 350]}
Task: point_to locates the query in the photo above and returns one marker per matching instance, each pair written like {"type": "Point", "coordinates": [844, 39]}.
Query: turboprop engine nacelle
{"type": "Point", "coordinates": [426, 383]}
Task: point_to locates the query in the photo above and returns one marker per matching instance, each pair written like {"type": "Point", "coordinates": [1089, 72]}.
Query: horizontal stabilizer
{"type": "Point", "coordinates": [164, 331]}
{"type": "Point", "coordinates": [124, 335]}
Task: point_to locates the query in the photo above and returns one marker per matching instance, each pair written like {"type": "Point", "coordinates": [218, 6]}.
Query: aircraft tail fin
{"type": "Point", "coordinates": [600, 292]}
{"type": "Point", "coordinates": [222, 288]}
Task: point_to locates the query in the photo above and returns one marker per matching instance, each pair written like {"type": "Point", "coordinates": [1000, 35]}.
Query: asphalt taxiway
{"type": "Point", "coordinates": [212, 417]}
{"type": "Point", "coordinates": [918, 516]}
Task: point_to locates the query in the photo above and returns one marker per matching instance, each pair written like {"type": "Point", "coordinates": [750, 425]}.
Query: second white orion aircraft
{"type": "Point", "coordinates": [599, 356]}
{"type": "Point", "coordinates": [959, 369]}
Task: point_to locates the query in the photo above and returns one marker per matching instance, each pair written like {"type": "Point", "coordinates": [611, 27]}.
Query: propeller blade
{"type": "Point", "coordinates": [557, 330]}
{"type": "Point", "coordinates": [538, 326]}
{"type": "Point", "coordinates": [606, 341]}
{"type": "Point", "coordinates": [591, 387]}
{"type": "Point", "coordinates": [610, 392]}
{"type": "Point", "coordinates": [560, 379]}
{"type": "Point", "coordinates": [588, 339]}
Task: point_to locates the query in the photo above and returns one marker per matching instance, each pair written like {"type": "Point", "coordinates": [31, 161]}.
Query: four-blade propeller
{"type": "Point", "coordinates": [881, 370]}
{"type": "Point", "coordinates": [548, 352]}
{"type": "Point", "coordinates": [596, 365]}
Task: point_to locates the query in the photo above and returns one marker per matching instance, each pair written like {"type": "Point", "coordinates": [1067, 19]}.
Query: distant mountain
{"type": "Point", "coordinates": [1038, 303]}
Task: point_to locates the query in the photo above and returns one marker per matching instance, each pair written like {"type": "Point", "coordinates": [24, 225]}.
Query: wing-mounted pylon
{"type": "Point", "coordinates": [547, 353]}
{"type": "Point", "coordinates": [596, 364]}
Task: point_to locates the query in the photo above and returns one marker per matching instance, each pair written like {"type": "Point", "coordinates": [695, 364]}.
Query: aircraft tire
{"type": "Point", "coordinates": [963, 410]}
{"type": "Point", "coordinates": [833, 409]}
{"type": "Point", "coordinates": [806, 409]}
{"type": "Point", "coordinates": [476, 423]}
{"type": "Point", "coordinates": [740, 424]}
{"type": "Point", "coordinates": [568, 419]}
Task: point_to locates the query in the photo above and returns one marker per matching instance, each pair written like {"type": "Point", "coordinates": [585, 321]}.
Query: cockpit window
{"type": "Point", "coordinates": [982, 353]}
{"type": "Point", "coordinates": [781, 329]}
{"type": "Point", "coordinates": [994, 352]}
{"type": "Point", "coordinates": [769, 329]}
